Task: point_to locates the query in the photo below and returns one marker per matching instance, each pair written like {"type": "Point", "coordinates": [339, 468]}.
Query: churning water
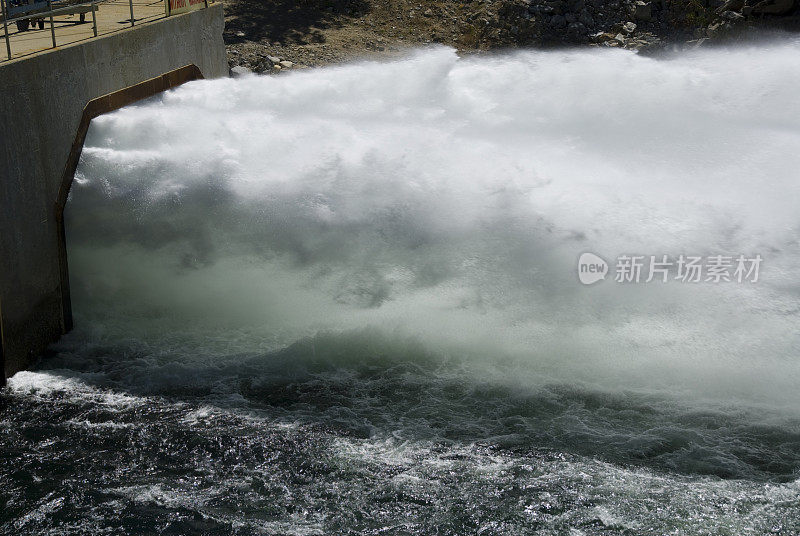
{"type": "Point", "coordinates": [346, 301]}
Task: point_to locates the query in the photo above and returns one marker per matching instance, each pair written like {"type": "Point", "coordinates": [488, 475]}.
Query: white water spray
{"type": "Point", "coordinates": [450, 199]}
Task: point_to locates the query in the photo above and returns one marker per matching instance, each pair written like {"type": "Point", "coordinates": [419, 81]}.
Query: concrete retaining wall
{"type": "Point", "coordinates": [41, 104]}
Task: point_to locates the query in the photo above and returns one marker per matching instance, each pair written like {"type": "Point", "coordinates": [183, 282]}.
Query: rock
{"type": "Point", "coordinates": [608, 39]}
{"type": "Point", "coordinates": [286, 64]}
{"type": "Point", "coordinates": [428, 13]}
{"type": "Point", "coordinates": [629, 27]}
{"type": "Point", "coordinates": [725, 24]}
{"type": "Point", "coordinates": [719, 28]}
{"type": "Point", "coordinates": [643, 11]}
{"type": "Point", "coordinates": [732, 16]}
{"type": "Point", "coordinates": [577, 5]}
{"type": "Point", "coordinates": [274, 59]}
{"type": "Point", "coordinates": [240, 34]}
{"type": "Point", "coordinates": [650, 46]}
{"type": "Point", "coordinates": [576, 28]}
{"type": "Point", "coordinates": [558, 21]}
{"type": "Point", "coordinates": [586, 19]}
{"type": "Point", "coordinates": [570, 17]}
{"type": "Point", "coordinates": [240, 70]}
{"type": "Point", "coordinates": [773, 7]}
{"type": "Point", "coordinates": [731, 5]}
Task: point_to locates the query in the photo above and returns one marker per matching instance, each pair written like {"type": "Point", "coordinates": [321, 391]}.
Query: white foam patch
{"type": "Point", "coordinates": [197, 500]}
{"type": "Point", "coordinates": [45, 385]}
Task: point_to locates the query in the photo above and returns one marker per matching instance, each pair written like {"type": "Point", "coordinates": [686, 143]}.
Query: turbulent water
{"type": "Point", "coordinates": [346, 301]}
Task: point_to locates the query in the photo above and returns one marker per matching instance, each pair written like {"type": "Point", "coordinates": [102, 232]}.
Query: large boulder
{"type": "Point", "coordinates": [240, 70]}
{"type": "Point", "coordinates": [642, 11]}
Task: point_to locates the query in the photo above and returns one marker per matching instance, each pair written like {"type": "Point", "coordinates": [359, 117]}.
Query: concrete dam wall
{"type": "Point", "coordinates": [47, 102]}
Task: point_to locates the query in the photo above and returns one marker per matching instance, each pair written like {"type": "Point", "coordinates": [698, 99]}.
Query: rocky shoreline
{"type": "Point", "coordinates": [273, 36]}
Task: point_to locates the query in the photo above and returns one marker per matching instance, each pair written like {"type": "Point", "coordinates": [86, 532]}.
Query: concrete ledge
{"type": "Point", "coordinates": [40, 114]}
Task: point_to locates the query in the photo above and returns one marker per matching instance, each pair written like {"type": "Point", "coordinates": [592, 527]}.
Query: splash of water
{"type": "Point", "coordinates": [449, 199]}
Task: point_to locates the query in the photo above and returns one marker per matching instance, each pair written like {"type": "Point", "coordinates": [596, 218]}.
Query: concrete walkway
{"type": "Point", "coordinates": [112, 16]}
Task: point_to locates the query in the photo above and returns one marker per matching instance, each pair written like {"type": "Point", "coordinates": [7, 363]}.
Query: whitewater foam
{"type": "Point", "coordinates": [449, 199]}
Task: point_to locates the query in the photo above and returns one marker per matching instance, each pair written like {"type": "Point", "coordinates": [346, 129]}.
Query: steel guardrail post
{"type": "Point", "coordinates": [52, 25]}
{"type": "Point", "coordinates": [5, 27]}
{"type": "Point", "coordinates": [131, 4]}
{"type": "Point", "coordinates": [94, 19]}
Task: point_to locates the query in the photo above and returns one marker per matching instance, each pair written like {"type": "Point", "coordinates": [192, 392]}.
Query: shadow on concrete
{"type": "Point", "coordinates": [287, 21]}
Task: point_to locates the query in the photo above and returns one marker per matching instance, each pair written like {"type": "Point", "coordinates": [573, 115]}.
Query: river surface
{"type": "Point", "coordinates": [347, 301]}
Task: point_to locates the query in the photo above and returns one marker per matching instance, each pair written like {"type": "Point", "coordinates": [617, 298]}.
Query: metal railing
{"type": "Point", "coordinates": [36, 12]}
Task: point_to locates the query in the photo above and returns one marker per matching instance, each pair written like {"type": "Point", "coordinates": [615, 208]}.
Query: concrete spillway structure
{"type": "Point", "coordinates": [46, 103]}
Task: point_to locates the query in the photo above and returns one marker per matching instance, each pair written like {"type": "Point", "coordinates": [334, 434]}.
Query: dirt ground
{"type": "Point", "coordinates": [318, 32]}
{"type": "Point", "coordinates": [275, 35]}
